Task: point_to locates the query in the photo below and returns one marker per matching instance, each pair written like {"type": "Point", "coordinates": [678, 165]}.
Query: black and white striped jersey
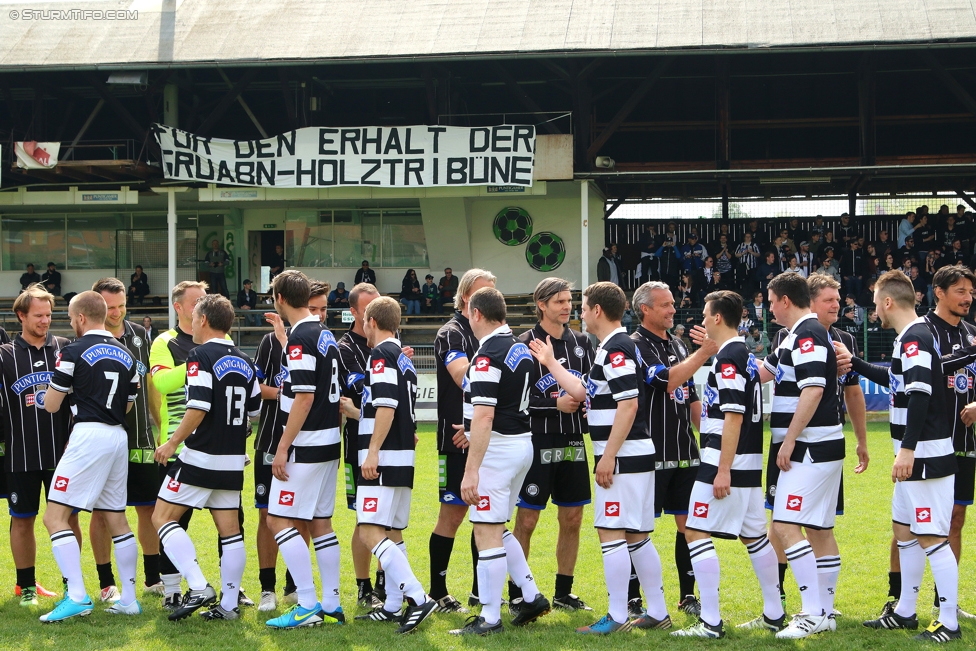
{"type": "Point", "coordinates": [615, 377]}
{"type": "Point", "coordinates": [453, 340]}
{"type": "Point", "coordinates": [267, 365]}
{"type": "Point", "coordinates": [391, 383]}
{"type": "Point", "coordinates": [849, 379]}
{"type": "Point", "coordinates": [311, 361]}
{"type": "Point", "coordinates": [575, 353]}
{"type": "Point", "coordinates": [103, 374]}
{"type": "Point", "coordinates": [137, 422]}
{"type": "Point", "coordinates": [500, 376]}
{"type": "Point", "coordinates": [33, 438]}
{"type": "Point", "coordinates": [806, 358]}
{"type": "Point", "coordinates": [668, 413]}
{"type": "Point", "coordinates": [959, 383]}
{"type": "Point", "coordinates": [353, 358]}
{"type": "Point", "coordinates": [222, 382]}
{"type": "Point", "coordinates": [733, 386]}
{"type": "Point", "coordinates": [915, 366]}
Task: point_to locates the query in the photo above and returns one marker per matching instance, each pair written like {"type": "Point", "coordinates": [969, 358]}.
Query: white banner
{"type": "Point", "coordinates": [426, 407]}
{"type": "Point", "coordinates": [388, 157]}
{"type": "Point", "coordinates": [37, 155]}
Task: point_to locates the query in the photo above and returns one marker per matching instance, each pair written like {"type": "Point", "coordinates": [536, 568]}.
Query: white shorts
{"type": "Point", "coordinates": [807, 494]}
{"type": "Point", "coordinates": [94, 471]}
{"type": "Point", "coordinates": [924, 506]}
{"type": "Point", "coordinates": [741, 514]}
{"type": "Point", "coordinates": [507, 461]}
{"type": "Point", "coordinates": [628, 504]}
{"type": "Point", "coordinates": [309, 493]}
{"type": "Point", "coordinates": [384, 506]}
{"type": "Point", "coordinates": [197, 497]}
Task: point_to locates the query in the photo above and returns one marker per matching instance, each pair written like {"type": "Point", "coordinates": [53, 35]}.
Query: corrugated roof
{"type": "Point", "coordinates": [204, 32]}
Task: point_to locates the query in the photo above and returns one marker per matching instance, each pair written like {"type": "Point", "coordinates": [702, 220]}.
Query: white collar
{"type": "Point", "coordinates": [503, 329]}
{"type": "Point", "coordinates": [217, 340]}
{"type": "Point", "coordinates": [311, 318]}
{"type": "Point", "coordinates": [393, 339]}
{"type": "Point", "coordinates": [103, 333]}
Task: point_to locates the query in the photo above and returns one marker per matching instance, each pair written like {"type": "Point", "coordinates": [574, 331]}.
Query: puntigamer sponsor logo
{"type": "Point", "coordinates": [104, 351]}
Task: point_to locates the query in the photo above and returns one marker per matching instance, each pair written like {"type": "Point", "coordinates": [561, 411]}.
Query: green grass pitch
{"type": "Point", "coordinates": [863, 533]}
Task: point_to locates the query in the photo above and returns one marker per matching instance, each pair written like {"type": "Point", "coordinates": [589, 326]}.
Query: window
{"type": "Point", "coordinates": [33, 240]}
{"type": "Point", "coordinates": [91, 240]}
{"type": "Point", "coordinates": [346, 237]}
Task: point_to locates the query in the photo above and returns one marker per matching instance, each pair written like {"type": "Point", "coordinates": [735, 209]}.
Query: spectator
{"type": "Point", "coordinates": [883, 246]}
{"type": "Point", "coordinates": [767, 271]}
{"type": "Point", "coordinates": [724, 260]}
{"type": "Point", "coordinates": [217, 260]}
{"type": "Point", "coordinates": [648, 246]}
{"type": "Point", "coordinates": [830, 265]}
{"type": "Point", "coordinates": [447, 286]}
{"type": "Point", "coordinates": [846, 232]}
{"type": "Point", "coordinates": [680, 340]}
{"type": "Point", "coordinates": [29, 277]}
{"type": "Point", "coordinates": [956, 254]}
{"type": "Point", "coordinates": [815, 243]}
{"type": "Point", "coordinates": [627, 319]}
{"type": "Point", "coordinates": [796, 268]}
{"type": "Point", "coordinates": [818, 227]}
{"type": "Point", "coordinates": [365, 274]}
{"type": "Point", "coordinates": [804, 259]}
{"type": "Point", "coordinates": [52, 279]}
{"type": "Point", "coordinates": [138, 285]}
{"type": "Point", "coordinates": [410, 292]}
{"type": "Point", "coordinates": [888, 264]}
{"type": "Point", "coordinates": [948, 233]}
{"type": "Point", "coordinates": [852, 268]}
{"type": "Point", "coordinates": [606, 268]}
{"type": "Point", "coordinates": [693, 254]}
{"type": "Point", "coordinates": [428, 295]}
{"type": "Point", "coordinates": [752, 230]}
{"type": "Point", "coordinates": [908, 251]}
{"type": "Point", "coordinates": [669, 259]}
{"type": "Point", "coordinates": [247, 300]}
{"type": "Point", "coordinates": [277, 261]}
{"type": "Point", "coordinates": [921, 304]}
{"type": "Point", "coordinates": [866, 298]}
{"type": "Point", "coordinates": [150, 328]}
{"type": "Point", "coordinates": [757, 341]}
{"type": "Point", "coordinates": [339, 298]}
{"type": "Point", "coordinates": [748, 255]}
{"type": "Point", "coordinates": [794, 231]}
{"type": "Point", "coordinates": [686, 290]}
{"type": "Point", "coordinates": [906, 228]}
{"type": "Point", "coordinates": [919, 282]}
{"type": "Point", "coordinates": [705, 281]}
{"type": "Point", "coordinates": [829, 241]}
{"type": "Point", "coordinates": [924, 237]}
{"type": "Point", "coordinates": [757, 309]}
{"type": "Point", "coordinates": [877, 349]}
{"type": "Point", "coordinates": [852, 311]}
{"type": "Point", "coordinates": [746, 321]}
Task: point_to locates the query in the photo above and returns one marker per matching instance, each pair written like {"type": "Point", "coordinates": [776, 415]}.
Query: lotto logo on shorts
{"type": "Point", "coordinates": [369, 505]}
{"type": "Point", "coordinates": [286, 498]}
{"type": "Point", "coordinates": [484, 503]}
{"type": "Point", "coordinates": [911, 348]}
{"type": "Point", "coordinates": [482, 364]}
{"type": "Point", "coordinates": [61, 484]}
{"type": "Point", "coordinates": [294, 352]}
{"type": "Point", "coordinates": [379, 366]}
{"type": "Point", "coordinates": [923, 515]}
{"type": "Point", "coordinates": [701, 510]}
{"type": "Point", "coordinates": [611, 509]}
{"type": "Point", "coordinates": [806, 345]}
{"type": "Point", "coordinates": [617, 360]}
{"type": "Point", "coordinates": [794, 502]}
{"type": "Point", "coordinates": [192, 368]}
{"type": "Point", "coordinates": [728, 371]}
{"type": "Point", "coordinates": [173, 485]}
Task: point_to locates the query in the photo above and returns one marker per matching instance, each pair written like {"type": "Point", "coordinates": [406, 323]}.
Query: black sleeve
{"type": "Point", "coordinates": [918, 409]}
{"type": "Point", "coordinates": [875, 373]}
{"type": "Point", "coordinates": [958, 359]}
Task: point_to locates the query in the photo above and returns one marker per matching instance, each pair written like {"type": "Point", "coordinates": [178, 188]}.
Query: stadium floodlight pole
{"type": "Point", "coordinates": [584, 233]}
{"type": "Point", "coordinates": [171, 245]}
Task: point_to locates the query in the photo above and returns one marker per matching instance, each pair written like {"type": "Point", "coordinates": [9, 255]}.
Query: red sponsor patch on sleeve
{"type": "Point", "coordinates": [617, 360]}
{"type": "Point", "coordinates": [379, 366]}
{"type": "Point", "coordinates": [294, 352]}
{"type": "Point", "coordinates": [910, 348]}
{"type": "Point", "coordinates": [806, 345]}
{"type": "Point", "coordinates": [728, 371]}
{"type": "Point", "coordinates": [192, 368]}
{"type": "Point", "coordinates": [482, 363]}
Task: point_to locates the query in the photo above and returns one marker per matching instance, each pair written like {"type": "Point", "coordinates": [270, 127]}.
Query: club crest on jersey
{"type": "Point", "coordinates": [484, 503]}
{"type": "Point", "coordinates": [481, 364]}
{"type": "Point", "coordinates": [701, 510]}
{"type": "Point", "coordinates": [137, 341]}
{"type": "Point", "coordinates": [680, 395]}
{"type": "Point", "coordinates": [453, 355]}
{"type": "Point", "coordinates": [923, 514]}
{"type": "Point", "coordinates": [806, 345]}
{"type": "Point", "coordinates": [326, 339]}
{"type": "Point", "coordinates": [794, 502]}
{"type": "Point", "coordinates": [405, 364]}
{"type": "Point", "coordinates": [192, 368]}
{"type": "Point", "coordinates": [618, 360]}
{"type": "Point", "coordinates": [728, 371]}
{"type": "Point", "coordinates": [31, 379]}
{"type": "Point", "coordinates": [516, 354]}
{"type": "Point", "coordinates": [611, 509]}
{"type": "Point", "coordinates": [579, 352]}
{"type": "Point", "coordinates": [961, 382]}
{"type": "Point", "coordinates": [910, 348]}
{"type": "Point", "coordinates": [35, 399]}
{"type": "Point", "coordinates": [233, 364]}
{"type": "Point", "coordinates": [295, 352]}
{"type": "Point", "coordinates": [106, 351]}
{"type": "Point", "coordinates": [379, 366]}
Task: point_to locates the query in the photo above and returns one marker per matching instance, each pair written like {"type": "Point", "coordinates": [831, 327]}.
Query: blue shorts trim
{"type": "Point", "coordinates": [532, 507]}
{"type": "Point", "coordinates": [769, 507]}
{"type": "Point", "coordinates": [840, 512]}
{"type": "Point", "coordinates": [259, 505]}
{"type": "Point", "coordinates": [963, 502]}
{"type": "Point", "coordinates": [23, 515]}
{"type": "Point", "coordinates": [452, 498]}
{"type": "Point", "coordinates": [351, 507]}
{"type": "Point", "coordinates": [580, 503]}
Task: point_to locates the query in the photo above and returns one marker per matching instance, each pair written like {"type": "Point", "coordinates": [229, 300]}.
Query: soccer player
{"type": "Point", "coordinates": [143, 481]}
{"type": "Point", "coordinates": [671, 408]}
{"type": "Point", "coordinates": [354, 355]}
{"type": "Point", "coordinates": [222, 394]}
{"type": "Point", "coordinates": [454, 347]}
{"type": "Point", "coordinates": [93, 471]}
{"type": "Point", "coordinates": [306, 461]}
{"type": "Point", "coordinates": [35, 439]}
{"type": "Point", "coordinates": [387, 439]}
{"type": "Point", "coordinates": [623, 452]}
{"type": "Point", "coordinates": [268, 368]}
{"type": "Point", "coordinates": [727, 499]}
{"type": "Point", "coordinates": [811, 456]}
{"type": "Point", "coordinates": [499, 456]}
{"type": "Point", "coordinates": [925, 461]}
{"type": "Point", "coordinates": [559, 468]}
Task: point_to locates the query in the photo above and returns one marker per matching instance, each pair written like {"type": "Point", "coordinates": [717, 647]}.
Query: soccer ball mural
{"type": "Point", "coordinates": [512, 226]}
{"type": "Point", "coordinates": [545, 252]}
